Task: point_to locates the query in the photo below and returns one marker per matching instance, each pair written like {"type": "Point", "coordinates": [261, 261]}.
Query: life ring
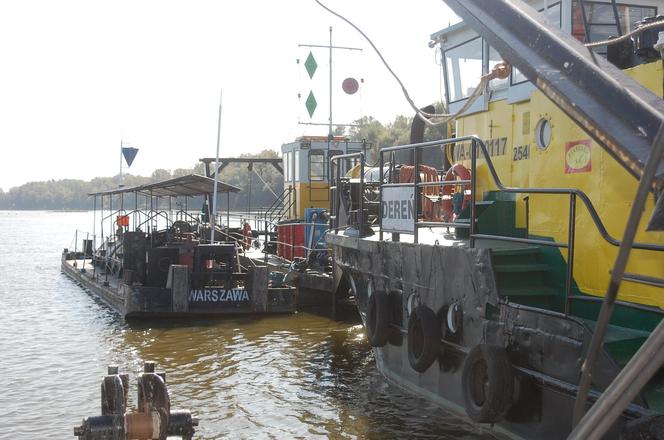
{"type": "Point", "coordinates": [430, 194]}
{"type": "Point", "coordinates": [487, 383]}
{"type": "Point", "coordinates": [460, 172]}
{"type": "Point", "coordinates": [378, 318]}
{"type": "Point", "coordinates": [246, 233]}
{"type": "Point", "coordinates": [423, 338]}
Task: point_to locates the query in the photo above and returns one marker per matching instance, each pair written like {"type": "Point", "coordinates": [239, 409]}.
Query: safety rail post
{"type": "Point", "coordinates": [473, 187]}
{"type": "Point", "coordinates": [361, 217]}
{"type": "Point", "coordinates": [570, 251]}
{"type": "Point", "coordinates": [381, 163]}
{"type": "Point", "coordinates": [337, 184]}
{"type": "Point", "coordinates": [416, 197]}
{"type": "Point", "coordinates": [337, 194]}
{"type": "Point", "coordinates": [333, 198]}
{"type": "Point", "coordinates": [265, 244]}
{"type": "Point", "coordinates": [85, 248]}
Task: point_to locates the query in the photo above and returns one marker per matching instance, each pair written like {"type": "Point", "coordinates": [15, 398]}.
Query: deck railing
{"type": "Point", "coordinates": [478, 145]}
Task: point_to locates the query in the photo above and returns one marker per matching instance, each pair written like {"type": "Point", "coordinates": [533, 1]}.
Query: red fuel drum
{"type": "Point", "coordinates": [290, 238]}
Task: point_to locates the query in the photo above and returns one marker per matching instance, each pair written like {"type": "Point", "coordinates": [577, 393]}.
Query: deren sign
{"type": "Point", "coordinates": [398, 209]}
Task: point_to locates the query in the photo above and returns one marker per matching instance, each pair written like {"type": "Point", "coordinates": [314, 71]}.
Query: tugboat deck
{"type": "Point", "coordinates": [441, 237]}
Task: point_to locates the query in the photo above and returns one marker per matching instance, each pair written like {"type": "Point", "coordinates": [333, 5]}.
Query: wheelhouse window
{"type": "Point", "coordinates": [317, 166]}
{"type": "Point", "coordinates": [495, 58]}
{"type": "Point", "coordinates": [284, 165]}
{"type": "Point", "coordinates": [288, 166]}
{"type": "Point", "coordinates": [600, 23]}
{"type": "Point", "coordinates": [297, 165]}
{"type": "Point", "coordinates": [464, 69]}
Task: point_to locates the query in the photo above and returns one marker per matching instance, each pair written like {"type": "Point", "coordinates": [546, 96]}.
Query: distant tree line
{"type": "Point", "coordinates": [259, 186]}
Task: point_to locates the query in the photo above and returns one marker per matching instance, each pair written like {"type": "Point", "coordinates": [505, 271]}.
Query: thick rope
{"type": "Point", "coordinates": [626, 36]}
{"type": "Point", "coordinates": [431, 118]}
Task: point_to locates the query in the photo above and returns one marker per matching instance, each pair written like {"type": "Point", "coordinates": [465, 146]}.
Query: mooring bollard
{"type": "Point", "coordinates": [153, 419]}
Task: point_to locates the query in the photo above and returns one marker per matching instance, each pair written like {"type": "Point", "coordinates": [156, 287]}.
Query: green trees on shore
{"type": "Point", "coordinates": [258, 186]}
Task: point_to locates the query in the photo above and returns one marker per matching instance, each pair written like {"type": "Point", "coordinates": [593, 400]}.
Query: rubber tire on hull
{"type": "Point", "coordinates": [378, 319]}
{"type": "Point", "coordinates": [423, 338]}
{"type": "Point", "coordinates": [487, 383]}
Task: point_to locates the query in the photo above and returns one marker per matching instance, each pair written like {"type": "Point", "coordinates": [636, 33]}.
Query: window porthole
{"type": "Point", "coordinates": [543, 133]}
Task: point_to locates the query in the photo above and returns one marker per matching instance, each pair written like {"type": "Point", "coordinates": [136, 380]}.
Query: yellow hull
{"type": "Point", "coordinates": [572, 160]}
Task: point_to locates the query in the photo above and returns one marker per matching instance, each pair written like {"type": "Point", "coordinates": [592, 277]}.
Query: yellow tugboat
{"type": "Point", "coordinates": [482, 278]}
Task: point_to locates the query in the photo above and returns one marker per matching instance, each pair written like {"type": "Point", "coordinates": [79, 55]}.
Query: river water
{"type": "Point", "coordinates": [299, 376]}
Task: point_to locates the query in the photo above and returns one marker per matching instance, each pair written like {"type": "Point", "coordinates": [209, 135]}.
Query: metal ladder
{"type": "Point", "coordinates": [587, 25]}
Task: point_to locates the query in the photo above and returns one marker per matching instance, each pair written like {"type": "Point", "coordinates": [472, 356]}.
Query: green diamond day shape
{"type": "Point", "coordinates": [311, 65]}
{"type": "Point", "coordinates": [311, 104]}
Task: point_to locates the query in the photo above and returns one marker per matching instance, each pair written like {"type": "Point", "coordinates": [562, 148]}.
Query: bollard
{"type": "Point", "coordinates": [153, 419]}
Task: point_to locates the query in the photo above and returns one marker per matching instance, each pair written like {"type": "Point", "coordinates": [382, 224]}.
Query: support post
{"type": "Point", "coordinates": [570, 251]}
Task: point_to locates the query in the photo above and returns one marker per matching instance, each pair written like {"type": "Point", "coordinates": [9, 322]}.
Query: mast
{"type": "Point", "coordinates": [216, 173]}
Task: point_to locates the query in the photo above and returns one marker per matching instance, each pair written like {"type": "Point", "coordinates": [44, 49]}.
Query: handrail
{"type": "Point", "coordinates": [278, 201]}
{"type": "Point", "coordinates": [580, 194]}
{"type": "Point", "coordinates": [475, 141]}
{"type": "Point", "coordinates": [336, 195]}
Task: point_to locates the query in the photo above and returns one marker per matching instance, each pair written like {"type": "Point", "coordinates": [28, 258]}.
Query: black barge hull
{"type": "Point", "coordinates": [177, 300]}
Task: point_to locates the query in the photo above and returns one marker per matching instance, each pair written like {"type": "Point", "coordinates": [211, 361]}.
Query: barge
{"type": "Point", "coordinates": [480, 264]}
{"type": "Point", "coordinates": [155, 261]}
{"type": "Point", "coordinates": [289, 235]}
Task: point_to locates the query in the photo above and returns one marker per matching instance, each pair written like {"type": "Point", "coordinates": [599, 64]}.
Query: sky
{"type": "Point", "coordinates": [79, 77]}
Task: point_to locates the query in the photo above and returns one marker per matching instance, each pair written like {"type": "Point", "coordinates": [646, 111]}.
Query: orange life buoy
{"type": "Point", "coordinates": [246, 232]}
{"type": "Point", "coordinates": [430, 206]}
{"type": "Point", "coordinates": [456, 172]}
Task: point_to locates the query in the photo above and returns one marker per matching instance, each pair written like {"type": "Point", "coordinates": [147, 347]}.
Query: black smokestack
{"type": "Point", "coordinates": [418, 125]}
{"type": "Point", "coordinates": [416, 134]}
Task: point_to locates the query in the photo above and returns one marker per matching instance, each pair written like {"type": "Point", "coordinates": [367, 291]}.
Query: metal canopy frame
{"type": "Point", "coordinates": [189, 185]}
{"type": "Point", "coordinates": [225, 161]}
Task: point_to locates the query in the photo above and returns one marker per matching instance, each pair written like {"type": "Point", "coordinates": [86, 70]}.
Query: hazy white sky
{"type": "Point", "coordinates": [77, 76]}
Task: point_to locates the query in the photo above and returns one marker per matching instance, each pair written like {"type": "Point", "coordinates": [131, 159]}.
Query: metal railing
{"type": "Point", "coordinates": [336, 194]}
{"type": "Point", "coordinates": [477, 144]}
{"type": "Point", "coordinates": [281, 205]}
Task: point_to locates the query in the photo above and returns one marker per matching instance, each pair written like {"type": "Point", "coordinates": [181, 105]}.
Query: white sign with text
{"type": "Point", "coordinates": [398, 209]}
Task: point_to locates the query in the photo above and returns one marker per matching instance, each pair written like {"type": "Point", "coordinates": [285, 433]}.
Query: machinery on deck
{"type": "Point", "coordinates": [292, 229]}
{"type": "Point", "coordinates": [159, 262]}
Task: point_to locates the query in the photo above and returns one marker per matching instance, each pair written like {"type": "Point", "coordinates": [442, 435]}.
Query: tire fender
{"type": "Point", "coordinates": [423, 338]}
{"type": "Point", "coordinates": [487, 383]}
{"type": "Point", "coordinates": [378, 318]}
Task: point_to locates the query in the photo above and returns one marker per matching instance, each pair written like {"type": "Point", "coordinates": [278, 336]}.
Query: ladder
{"type": "Point", "coordinates": [588, 24]}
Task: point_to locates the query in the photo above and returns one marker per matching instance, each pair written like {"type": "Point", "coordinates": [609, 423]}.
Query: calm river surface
{"type": "Point", "coordinates": [299, 376]}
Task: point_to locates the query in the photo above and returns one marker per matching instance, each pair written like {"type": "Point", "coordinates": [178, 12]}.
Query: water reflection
{"type": "Point", "coordinates": [298, 376]}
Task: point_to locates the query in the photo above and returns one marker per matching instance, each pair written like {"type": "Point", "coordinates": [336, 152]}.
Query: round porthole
{"type": "Point", "coordinates": [543, 133]}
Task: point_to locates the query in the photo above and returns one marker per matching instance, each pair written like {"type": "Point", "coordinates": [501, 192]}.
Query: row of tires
{"type": "Point", "coordinates": [487, 378]}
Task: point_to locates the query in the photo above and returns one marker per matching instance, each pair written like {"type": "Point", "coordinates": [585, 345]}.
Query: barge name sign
{"type": "Point", "coordinates": [218, 296]}
{"type": "Point", "coordinates": [398, 209]}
